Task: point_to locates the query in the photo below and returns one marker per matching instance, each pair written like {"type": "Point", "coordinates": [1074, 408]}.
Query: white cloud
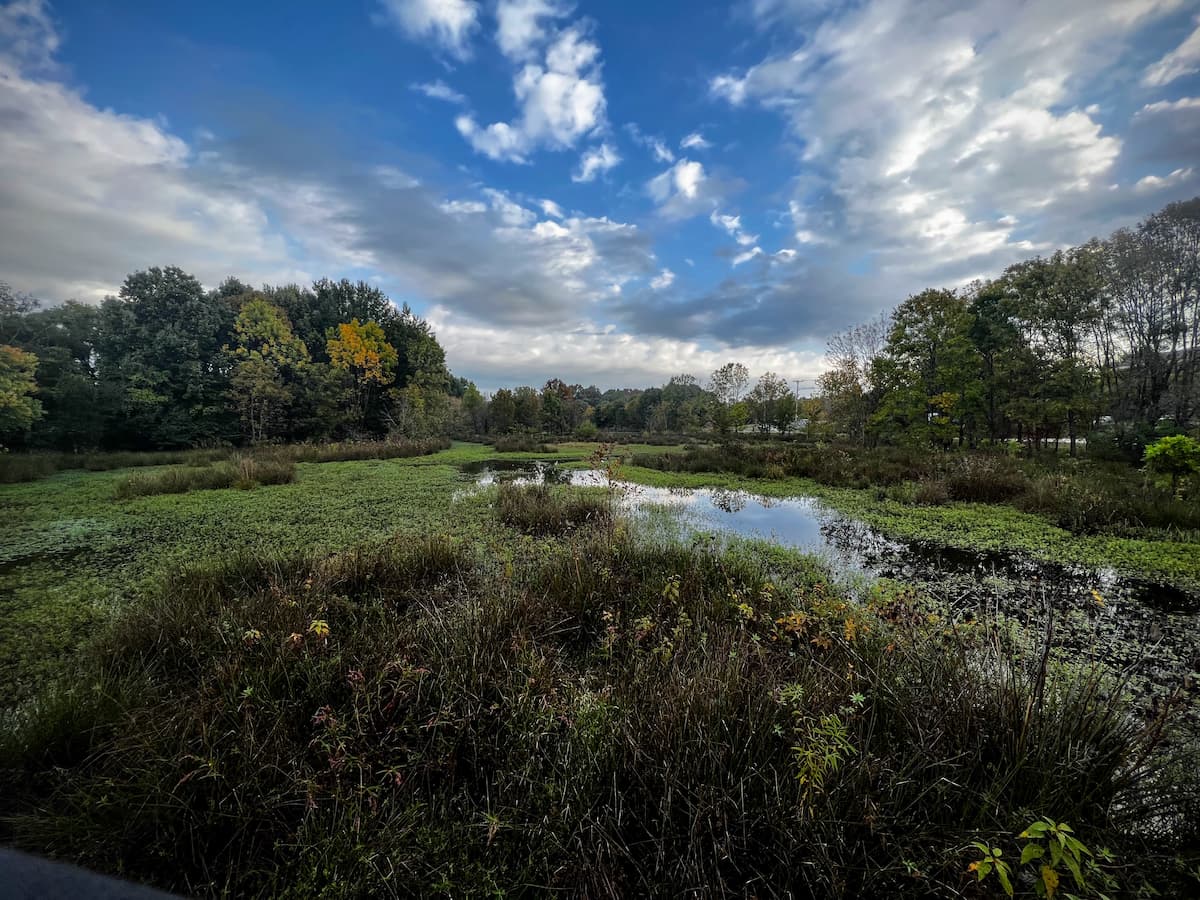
{"type": "Point", "coordinates": [686, 189]}
{"type": "Point", "coordinates": [1155, 183]}
{"type": "Point", "coordinates": [922, 122]}
{"type": "Point", "coordinates": [1170, 106]}
{"type": "Point", "coordinates": [1183, 60]}
{"type": "Point", "coordinates": [662, 153]}
{"type": "Point", "coordinates": [596, 161]}
{"type": "Point", "coordinates": [510, 212]}
{"type": "Point", "coordinates": [656, 146]}
{"type": "Point", "coordinates": [447, 23]}
{"type": "Point", "coordinates": [683, 179]}
{"type": "Point", "coordinates": [662, 280]}
{"type": "Point", "coordinates": [694, 141]}
{"type": "Point", "coordinates": [519, 30]}
{"type": "Point", "coordinates": [732, 225]}
{"type": "Point", "coordinates": [747, 256]}
{"type": "Point", "coordinates": [463, 207]}
{"type": "Point", "coordinates": [592, 352]}
{"type": "Point", "coordinates": [561, 101]}
{"type": "Point", "coordinates": [119, 191]}
{"type": "Point", "coordinates": [550, 208]}
{"type": "Point", "coordinates": [28, 35]}
{"type": "Point", "coordinates": [439, 90]}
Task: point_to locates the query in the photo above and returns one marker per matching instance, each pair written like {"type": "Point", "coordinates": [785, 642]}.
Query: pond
{"type": "Point", "coordinates": [1150, 629]}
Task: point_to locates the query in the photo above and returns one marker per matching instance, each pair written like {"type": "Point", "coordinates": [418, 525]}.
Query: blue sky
{"type": "Point", "coordinates": [607, 192]}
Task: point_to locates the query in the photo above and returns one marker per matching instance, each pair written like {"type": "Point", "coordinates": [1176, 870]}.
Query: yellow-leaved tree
{"type": "Point", "coordinates": [19, 409]}
{"type": "Point", "coordinates": [361, 350]}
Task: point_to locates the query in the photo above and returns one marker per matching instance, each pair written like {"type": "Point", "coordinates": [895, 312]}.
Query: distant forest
{"type": "Point", "coordinates": [1100, 341]}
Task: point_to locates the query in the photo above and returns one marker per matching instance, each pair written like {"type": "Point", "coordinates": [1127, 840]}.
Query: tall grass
{"type": "Point", "coordinates": [600, 719]}
{"type": "Point", "coordinates": [17, 467]}
{"type": "Point", "coordinates": [243, 472]}
{"type": "Point", "coordinates": [358, 450]}
{"type": "Point", "coordinates": [542, 509]}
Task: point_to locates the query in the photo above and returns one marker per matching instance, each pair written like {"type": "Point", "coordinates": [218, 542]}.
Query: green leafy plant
{"type": "Point", "coordinates": [992, 862]}
{"type": "Point", "coordinates": [1177, 456]}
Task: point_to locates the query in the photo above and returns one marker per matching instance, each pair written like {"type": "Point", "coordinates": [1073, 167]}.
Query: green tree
{"type": "Point", "coordinates": [848, 389]}
{"type": "Point", "coordinates": [726, 385]}
{"type": "Point", "coordinates": [928, 371]}
{"type": "Point", "coordinates": [19, 409]}
{"type": "Point", "coordinates": [159, 346]}
{"type": "Point", "coordinates": [787, 408]}
{"type": "Point", "coordinates": [502, 412]}
{"type": "Point", "coordinates": [267, 360]}
{"type": "Point", "coordinates": [528, 408]}
{"type": "Point", "coordinates": [1057, 307]}
{"type": "Point", "coordinates": [763, 398]}
{"type": "Point", "coordinates": [474, 409]}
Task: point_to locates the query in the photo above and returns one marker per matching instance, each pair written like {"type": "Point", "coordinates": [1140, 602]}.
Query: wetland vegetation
{"type": "Point", "coordinates": [286, 608]}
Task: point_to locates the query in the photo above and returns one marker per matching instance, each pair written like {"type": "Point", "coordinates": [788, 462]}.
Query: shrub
{"type": "Point", "coordinates": [930, 493]}
{"type": "Point", "coordinates": [984, 478]}
{"type": "Point", "coordinates": [521, 443]}
{"type": "Point", "coordinates": [1177, 456]}
{"type": "Point", "coordinates": [15, 467]}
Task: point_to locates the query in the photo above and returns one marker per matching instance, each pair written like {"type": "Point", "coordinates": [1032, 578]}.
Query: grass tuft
{"type": "Point", "coordinates": [543, 509]}
{"type": "Point", "coordinates": [243, 472]}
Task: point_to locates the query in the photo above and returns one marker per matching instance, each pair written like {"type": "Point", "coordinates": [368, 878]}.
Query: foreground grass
{"type": "Point", "coordinates": [578, 712]}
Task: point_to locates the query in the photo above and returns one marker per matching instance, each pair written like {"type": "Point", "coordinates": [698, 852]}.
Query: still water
{"type": "Point", "coordinates": [1148, 628]}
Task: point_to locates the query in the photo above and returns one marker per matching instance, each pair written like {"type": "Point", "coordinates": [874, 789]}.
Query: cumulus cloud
{"type": "Point", "coordinates": [1155, 183]}
{"type": "Point", "coordinates": [123, 193]}
{"type": "Point", "coordinates": [1183, 60]}
{"type": "Point", "coordinates": [694, 141]}
{"type": "Point", "coordinates": [557, 85]}
{"type": "Point", "coordinates": [88, 194]}
{"type": "Point", "coordinates": [519, 29]}
{"type": "Point", "coordinates": [921, 135]}
{"type": "Point", "coordinates": [680, 191]}
{"type": "Point", "coordinates": [448, 24]}
{"type": "Point", "coordinates": [747, 255]}
{"type": "Point", "coordinates": [657, 147]}
{"type": "Point", "coordinates": [596, 161]}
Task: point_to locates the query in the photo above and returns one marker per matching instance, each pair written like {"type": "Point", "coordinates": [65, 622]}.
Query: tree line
{"type": "Point", "coordinates": [1100, 339]}
{"type": "Point", "coordinates": [166, 364]}
{"type": "Point", "coordinates": [723, 403]}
